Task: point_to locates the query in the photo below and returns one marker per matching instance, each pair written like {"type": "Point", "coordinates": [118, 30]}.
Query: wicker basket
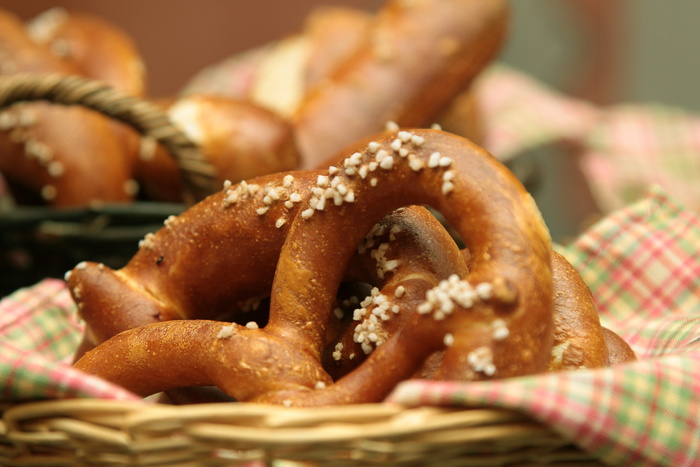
{"type": "Point", "coordinates": [39, 242]}
{"type": "Point", "coordinates": [101, 432]}
{"type": "Point", "coordinates": [97, 432]}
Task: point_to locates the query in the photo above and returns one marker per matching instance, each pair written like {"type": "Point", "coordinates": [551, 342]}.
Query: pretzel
{"type": "Point", "coordinates": [509, 268]}
{"type": "Point", "coordinates": [406, 244]}
{"type": "Point", "coordinates": [50, 154]}
{"type": "Point", "coordinates": [160, 282]}
{"type": "Point", "coordinates": [406, 256]}
{"type": "Point", "coordinates": [419, 55]}
{"type": "Point", "coordinates": [240, 140]}
{"type": "Point", "coordinates": [406, 63]}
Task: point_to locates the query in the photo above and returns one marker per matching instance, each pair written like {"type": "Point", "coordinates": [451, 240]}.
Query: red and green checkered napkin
{"type": "Point", "coordinates": [643, 266]}
{"type": "Point", "coordinates": [39, 333]}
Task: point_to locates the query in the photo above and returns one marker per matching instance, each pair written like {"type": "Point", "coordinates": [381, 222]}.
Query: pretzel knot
{"type": "Point", "coordinates": [433, 310]}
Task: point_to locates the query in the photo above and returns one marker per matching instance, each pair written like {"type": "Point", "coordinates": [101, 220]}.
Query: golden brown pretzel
{"type": "Point", "coordinates": [50, 154]}
{"type": "Point", "coordinates": [404, 63]}
{"type": "Point", "coordinates": [514, 242]}
{"type": "Point", "coordinates": [97, 47]}
{"type": "Point", "coordinates": [427, 260]}
{"type": "Point", "coordinates": [417, 57]}
{"type": "Point", "coordinates": [239, 139]}
{"type": "Point", "coordinates": [406, 245]}
{"type": "Point", "coordinates": [197, 265]}
{"type": "Point", "coordinates": [383, 259]}
{"type": "Point", "coordinates": [402, 275]}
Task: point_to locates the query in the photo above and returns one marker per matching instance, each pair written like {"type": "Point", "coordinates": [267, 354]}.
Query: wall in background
{"type": "Point", "coordinates": [648, 49]}
{"type": "Point", "coordinates": [177, 38]}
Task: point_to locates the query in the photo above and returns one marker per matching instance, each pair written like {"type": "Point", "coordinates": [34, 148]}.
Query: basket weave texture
{"type": "Point", "coordinates": [88, 432]}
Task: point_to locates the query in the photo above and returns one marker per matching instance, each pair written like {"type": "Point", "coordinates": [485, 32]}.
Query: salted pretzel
{"type": "Point", "coordinates": [408, 62]}
{"type": "Point", "coordinates": [578, 336]}
{"type": "Point", "coordinates": [509, 269]}
{"type": "Point", "coordinates": [98, 48]}
{"type": "Point", "coordinates": [50, 154]}
{"type": "Point", "coordinates": [419, 55]}
{"type": "Point", "coordinates": [239, 139]}
{"type": "Point", "coordinates": [411, 243]}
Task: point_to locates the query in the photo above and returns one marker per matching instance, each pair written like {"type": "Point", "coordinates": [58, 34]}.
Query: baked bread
{"type": "Point", "coordinates": [507, 306]}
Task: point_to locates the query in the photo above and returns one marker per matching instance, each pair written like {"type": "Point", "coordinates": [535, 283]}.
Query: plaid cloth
{"type": "Point", "coordinates": [643, 266]}
{"type": "Point", "coordinates": [39, 333]}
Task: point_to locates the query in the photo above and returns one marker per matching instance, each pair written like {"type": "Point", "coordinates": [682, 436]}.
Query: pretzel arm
{"type": "Point", "coordinates": [415, 58]}
{"type": "Point", "coordinates": [173, 354]}
{"type": "Point", "coordinates": [199, 265]}
{"type": "Point", "coordinates": [405, 254]}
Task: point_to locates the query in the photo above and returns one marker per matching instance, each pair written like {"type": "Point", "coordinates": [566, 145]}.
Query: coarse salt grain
{"type": "Point", "coordinates": [481, 361]}
{"type": "Point", "coordinates": [225, 332]}
{"type": "Point", "coordinates": [448, 340]}
{"type": "Point", "coordinates": [500, 330]}
{"type": "Point", "coordinates": [391, 126]}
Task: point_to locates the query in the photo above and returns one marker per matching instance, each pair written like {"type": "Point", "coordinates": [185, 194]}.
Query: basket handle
{"type": "Point", "coordinates": [145, 117]}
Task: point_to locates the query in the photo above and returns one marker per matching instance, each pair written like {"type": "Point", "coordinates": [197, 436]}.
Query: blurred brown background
{"type": "Point", "coordinates": [177, 38]}
{"type": "Point", "coordinates": [607, 51]}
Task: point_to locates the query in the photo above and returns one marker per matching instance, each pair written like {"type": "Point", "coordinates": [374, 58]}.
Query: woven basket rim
{"type": "Point", "coordinates": [363, 434]}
